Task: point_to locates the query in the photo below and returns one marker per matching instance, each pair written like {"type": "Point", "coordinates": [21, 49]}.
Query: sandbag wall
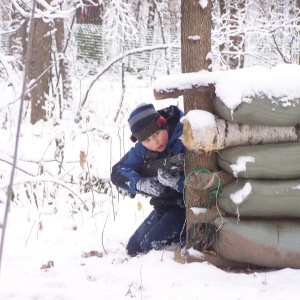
{"type": "Point", "coordinates": [262, 206]}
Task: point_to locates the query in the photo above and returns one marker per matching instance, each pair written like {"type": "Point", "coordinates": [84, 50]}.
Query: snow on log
{"type": "Point", "coordinates": [177, 92]}
{"type": "Point", "coordinates": [202, 131]}
{"type": "Point", "coordinates": [173, 86]}
{"type": "Point", "coordinates": [236, 87]}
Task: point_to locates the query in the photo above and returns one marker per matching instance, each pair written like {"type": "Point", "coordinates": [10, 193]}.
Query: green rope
{"type": "Point", "coordinates": [214, 191]}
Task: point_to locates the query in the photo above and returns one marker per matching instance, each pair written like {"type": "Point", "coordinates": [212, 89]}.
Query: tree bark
{"type": "Point", "coordinates": [38, 68]}
{"type": "Point", "coordinates": [236, 41]}
{"type": "Point", "coordinates": [226, 134]}
{"type": "Point", "coordinates": [64, 68]}
{"type": "Point", "coordinates": [298, 23]}
{"type": "Point", "coordinates": [195, 46]}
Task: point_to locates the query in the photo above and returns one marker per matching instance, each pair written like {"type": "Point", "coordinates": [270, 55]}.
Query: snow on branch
{"type": "Point", "coordinates": [121, 21]}
{"type": "Point", "coordinates": [49, 12]}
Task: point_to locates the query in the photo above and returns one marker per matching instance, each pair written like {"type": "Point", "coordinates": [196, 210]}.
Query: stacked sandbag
{"type": "Point", "coordinates": [269, 161]}
{"type": "Point", "coordinates": [260, 110]}
{"type": "Point", "coordinates": [263, 203]}
{"type": "Point", "coordinates": [274, 244]}
{"type": "Point", "coordinates": [261, 198]}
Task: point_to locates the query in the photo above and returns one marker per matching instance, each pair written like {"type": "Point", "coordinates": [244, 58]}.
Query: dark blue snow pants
{"type": "Point", "coordinates": [157, 231]}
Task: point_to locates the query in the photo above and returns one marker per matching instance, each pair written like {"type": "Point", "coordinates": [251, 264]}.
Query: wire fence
{"type": "Point", "coordinates": [94, 48]}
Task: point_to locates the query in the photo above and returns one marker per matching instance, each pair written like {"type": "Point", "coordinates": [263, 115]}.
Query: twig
{"type": "Point", "coordinates": [141, 285]}
{"type": "Point", "coordinates": [30, 233]}
{"type": "Point", "coordinates": [42, 179]}
{"type": "Point", "coordinates": [102, 235]}
{"type": "Point", "coordinates": [162, 254]}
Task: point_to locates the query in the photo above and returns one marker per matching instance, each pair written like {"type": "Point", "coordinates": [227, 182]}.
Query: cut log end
{"type": "Point", "coordinates": [199, 139]}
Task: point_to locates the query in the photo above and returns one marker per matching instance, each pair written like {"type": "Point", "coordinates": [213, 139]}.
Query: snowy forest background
{"type": "Point", "coordinates": [87, 67]}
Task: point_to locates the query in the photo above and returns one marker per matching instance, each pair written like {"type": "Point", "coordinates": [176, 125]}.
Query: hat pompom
{"type": "Point", "coordinates": [133, 138]}
{"type": "Point", "coordinates": [161, 121]}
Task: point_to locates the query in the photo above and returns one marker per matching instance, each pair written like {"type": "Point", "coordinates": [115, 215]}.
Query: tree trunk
{"type": "Point", "coordinates": [236, 41]}
{"type": "Point", "coordinates": [195, 46]}
{"type": "Point", "coordinates": [38, 69]}
{"type": "Point", "coordinates": [298, 23]}
{"type": "Point", "coordinates": [17, 40]}
{"type": "Point", "coordinates": [64, 68]}
{"type": "Point", "coordinates": [222, 9]}
{"type": "Point", "coordinates": [233, 59]}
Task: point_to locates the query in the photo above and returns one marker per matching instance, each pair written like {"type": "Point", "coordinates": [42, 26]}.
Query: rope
{"type": "Point", "coordinates": [10, 191]}
{"type": "Point", "coordinates": [213, 194]}
{"type": "Point", "coordinates": [214, 191]}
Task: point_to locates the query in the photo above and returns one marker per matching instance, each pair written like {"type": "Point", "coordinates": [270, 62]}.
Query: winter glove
{"type": "Point", "coordinates": [167, 179]}
{"type": "Point", "coordinates": [150, 186]}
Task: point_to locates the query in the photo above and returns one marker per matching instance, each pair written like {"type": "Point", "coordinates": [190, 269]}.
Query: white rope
{"type": "Point", "coordinates": [9, 193]}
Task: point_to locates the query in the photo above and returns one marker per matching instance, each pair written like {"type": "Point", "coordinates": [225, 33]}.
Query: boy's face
{"type": "Point", "coordinates": [157, 141]}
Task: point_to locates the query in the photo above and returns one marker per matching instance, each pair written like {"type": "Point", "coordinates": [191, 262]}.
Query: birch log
{"type": "Point", "coordinates": [223, 134]}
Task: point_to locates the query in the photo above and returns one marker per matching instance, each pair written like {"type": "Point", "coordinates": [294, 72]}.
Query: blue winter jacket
{"type": "Point", "coordinates": [125, 173]}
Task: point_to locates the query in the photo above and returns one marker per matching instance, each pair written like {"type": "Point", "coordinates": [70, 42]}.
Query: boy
{"type": "Point", "coordinates": [155, 132]}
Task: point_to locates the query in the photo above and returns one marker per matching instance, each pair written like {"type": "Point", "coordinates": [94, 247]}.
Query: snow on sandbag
{"type": "Point", "coordinates": [260, 110]}
{"type": "Point", "coordinates": [269, 161]}
{"type": "Point", "coordinates": [261, 198]}
{"type": "Point", "coordinates": [263, 243]}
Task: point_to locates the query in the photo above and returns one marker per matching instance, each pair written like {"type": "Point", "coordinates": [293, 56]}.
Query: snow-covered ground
{"type": "Point", "coordinates": [56, 250]}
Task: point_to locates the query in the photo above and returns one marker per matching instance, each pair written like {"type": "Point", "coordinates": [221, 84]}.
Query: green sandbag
{"type": "Point", "coordinates": [263, 243]}
{"type": "Point", "coordinates": [261, 198]}
{"type": "Point", "coordinates": [269, 161]}
{"type": "Point", "coordinates": [260, 111]}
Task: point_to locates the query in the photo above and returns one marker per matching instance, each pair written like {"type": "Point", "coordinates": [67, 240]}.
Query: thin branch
{"type": "Point", "coordinates": [46, 179]}
{"type": "Point", "coordinates": [120, 57]}
{"type": "Point", "coordinates": [103, 234]}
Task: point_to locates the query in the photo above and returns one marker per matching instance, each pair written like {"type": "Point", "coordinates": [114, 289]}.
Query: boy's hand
{"type": "Point", "coordinates": [150, 186]}
{"type": "Point", "coordinates": [167, 179]}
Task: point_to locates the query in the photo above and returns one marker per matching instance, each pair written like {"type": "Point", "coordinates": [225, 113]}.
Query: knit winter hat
{"type": "Point", "coordinates": [144, 121]}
